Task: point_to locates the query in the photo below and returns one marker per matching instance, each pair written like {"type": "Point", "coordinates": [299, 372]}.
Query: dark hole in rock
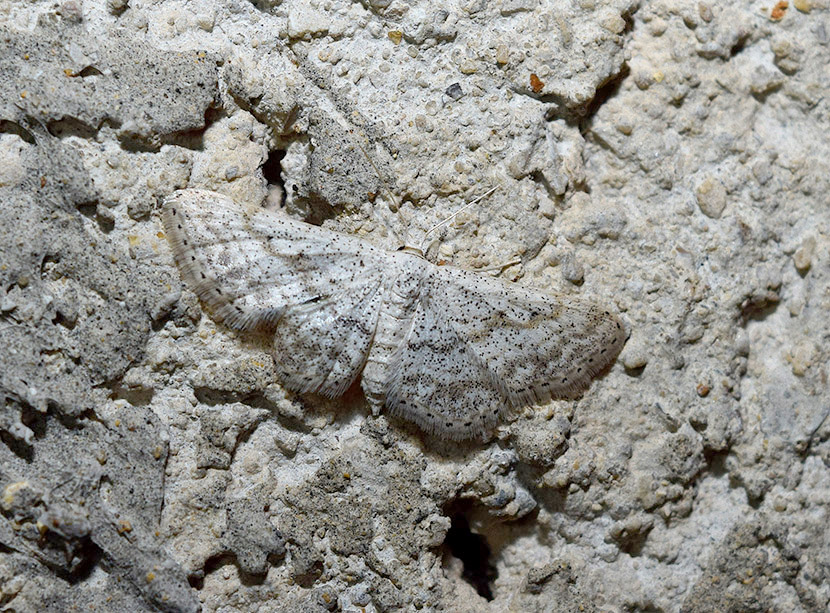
{"type": "Point", "coordinates": [474, 552]}
{"type": "Point", "coordinates": [272, 168]}
{"type": "Point", "coordinates": [272, 171]}
{"type": "Point", "coordinates": [90, 71]}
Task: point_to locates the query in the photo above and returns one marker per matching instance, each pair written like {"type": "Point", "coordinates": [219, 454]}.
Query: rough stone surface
{"type": "Point", "coordinates": [664, 157]}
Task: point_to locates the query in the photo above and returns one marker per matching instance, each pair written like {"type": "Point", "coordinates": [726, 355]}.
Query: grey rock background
{"type": "Point", "coordinates": [667, 158]}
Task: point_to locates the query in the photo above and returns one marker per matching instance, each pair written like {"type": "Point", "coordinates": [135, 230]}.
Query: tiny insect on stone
{"type": "Point", "coordinates": [445, 348]}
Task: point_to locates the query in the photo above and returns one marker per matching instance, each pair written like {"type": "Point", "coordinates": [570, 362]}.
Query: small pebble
{"type": "Point", "coordinates": [803, 256]}
{"type": "Point", "coordinates": [711, 197]}
{"type": "Point", "coordinates": [801, 357]}
{"type": "Point", "coordinates": [634, 355]}
{"type": "Point", "coordinates": [572, 269]}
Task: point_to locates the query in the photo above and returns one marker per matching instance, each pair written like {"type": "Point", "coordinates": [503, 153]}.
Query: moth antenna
{"type": "Point", "coordinates": [818, 427]}
{"type": "Point", "coordinates": [501, 267]}
{"type": "Point", "coordinates": [451, 217]}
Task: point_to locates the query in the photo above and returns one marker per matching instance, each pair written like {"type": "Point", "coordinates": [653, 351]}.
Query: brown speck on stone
{"type": "Point", "coordinates": [779, 10]}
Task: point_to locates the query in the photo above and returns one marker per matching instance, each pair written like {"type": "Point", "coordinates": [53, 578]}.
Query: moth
{"type": "Point", "coordinates": [445, 348]}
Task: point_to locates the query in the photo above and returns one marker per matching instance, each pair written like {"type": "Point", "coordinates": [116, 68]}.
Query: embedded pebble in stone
{"type": "Point", "coordinates": [572, 270]}
{"type": "Point", "coordinates": [445, 348]}
{"type": "Point", "coordinates": [801, 357]}
{"type": "Point", "coordinates": [635, 356]}
{"type": "Point", "coordinates": [711, 197]}
{"type": "Point", "coordinates": [803, 256]}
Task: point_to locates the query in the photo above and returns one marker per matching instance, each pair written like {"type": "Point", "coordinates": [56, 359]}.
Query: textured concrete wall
{"type": "Point", "coordinates": [669, 159]}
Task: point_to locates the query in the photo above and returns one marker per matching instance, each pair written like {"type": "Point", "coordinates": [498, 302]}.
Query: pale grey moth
{"type": "Point", "coordinates": [448, 349]}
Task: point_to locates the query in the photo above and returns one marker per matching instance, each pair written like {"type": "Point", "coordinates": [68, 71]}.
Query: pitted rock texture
{"type": "Point", "coordinates": [666, 158]}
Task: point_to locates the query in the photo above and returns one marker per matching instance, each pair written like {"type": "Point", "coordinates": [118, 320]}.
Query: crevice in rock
{"type": "Point", "coordinates": [272, 169]}
{"type": "Point", "coordinates": [604, 93]}
{"type": "Point", "coordinates": [212, 564]}
{"type": "Point", "coordinates": [539, 178]}
{"type": "Point", "coordinates": [71, 126]}
{"type": "Point", "coordinates": [90, 71]}
{"type": "Point", "coordinates": [759, 307]}
{"type": "Point", "coordinates": [12, 127]}
{"type": "Point", "coordinates": [136, 396]}
{"type": "Point", "coordinates": [473, 551]}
